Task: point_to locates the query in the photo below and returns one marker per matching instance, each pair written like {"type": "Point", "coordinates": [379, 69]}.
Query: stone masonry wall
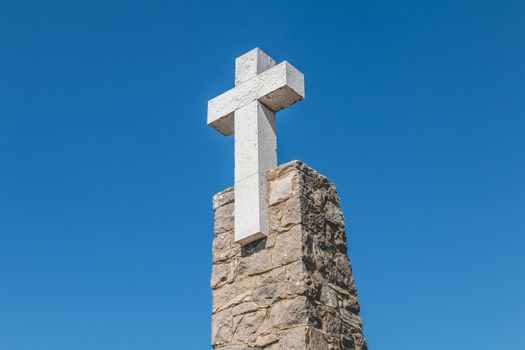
{"type": "Point", "coordinates": [293, 290]}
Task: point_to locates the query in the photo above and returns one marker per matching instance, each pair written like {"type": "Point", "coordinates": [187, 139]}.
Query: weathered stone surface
{"type": "Point", "coordinates": [255, 263]}
{"type": "Point", "coordinates": [237, 347]}
{"type": "Point", "coordinates": [292, 212]}
{"type": "Point", "coordinates": [293, 289]}
{"type": "Point", "coordinates": [298, 280]}
{"type": "Point", "coordinates": [247, 327]}
{"type": "Point", "coordinates": [288, 246]}
{"type": "Point", "coordinates": [295, 339]}
{"type": "Point", "coordinates": [244, 308]}
{"type": "Point", "coordinates": [267, 295]}
{"type": "Point", "coordinates": [283, 188]}
{"type": "Point", "coordinates": [318, 341]}
{"type": "Point", "coordinates": [221, 328]}
{"type": "Point", "coordinates": [289, 312]}
{"type": "Point", "coordinates": [223, 198]}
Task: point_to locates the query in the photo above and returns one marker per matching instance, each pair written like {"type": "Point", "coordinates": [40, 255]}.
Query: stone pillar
{"type": "Point", "coordinates": [292, 290]}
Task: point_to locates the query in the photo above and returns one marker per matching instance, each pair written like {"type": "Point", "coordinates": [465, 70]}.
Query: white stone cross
{"type": "Point", "coordinates": [248, 110]}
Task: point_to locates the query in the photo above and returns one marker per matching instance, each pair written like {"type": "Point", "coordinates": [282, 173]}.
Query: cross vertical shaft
{"type": "Point", "coordinates": [255, 153]}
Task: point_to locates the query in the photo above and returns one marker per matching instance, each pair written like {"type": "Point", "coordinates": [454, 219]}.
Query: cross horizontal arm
{"type": "Point", "coordinates": [277, 88]}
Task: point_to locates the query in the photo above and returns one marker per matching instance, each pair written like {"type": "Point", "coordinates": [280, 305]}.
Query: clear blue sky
{"type": "Point", "coordinates": [415, 109]}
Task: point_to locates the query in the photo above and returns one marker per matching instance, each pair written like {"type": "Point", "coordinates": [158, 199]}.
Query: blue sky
{"type": "Point", "coordinates": [415, 109]}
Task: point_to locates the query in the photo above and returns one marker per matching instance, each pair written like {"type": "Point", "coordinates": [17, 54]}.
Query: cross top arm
{"type": "Point", "coordinates": [277, 88]}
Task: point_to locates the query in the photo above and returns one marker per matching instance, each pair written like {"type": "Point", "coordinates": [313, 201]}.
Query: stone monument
{"type": "Point", "coordinates": [281, 277]}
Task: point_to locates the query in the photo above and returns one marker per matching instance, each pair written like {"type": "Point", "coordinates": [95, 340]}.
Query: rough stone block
{"type": "Point", "coordinates": [289, 312]}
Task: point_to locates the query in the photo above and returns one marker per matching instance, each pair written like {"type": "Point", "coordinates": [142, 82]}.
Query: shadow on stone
{"type": "Point", "coordinates": [253, 247]}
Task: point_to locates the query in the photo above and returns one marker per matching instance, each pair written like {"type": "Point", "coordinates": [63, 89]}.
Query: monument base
{"type": "Point", "coordinates": [292, 290]}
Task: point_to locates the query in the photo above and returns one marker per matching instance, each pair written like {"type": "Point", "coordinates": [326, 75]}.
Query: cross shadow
{"type": "Point", "coordinates": [253, 247]}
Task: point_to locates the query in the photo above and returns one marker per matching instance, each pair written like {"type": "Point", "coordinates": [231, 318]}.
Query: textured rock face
{"type": "Point", "coordinates": [292, 290]}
